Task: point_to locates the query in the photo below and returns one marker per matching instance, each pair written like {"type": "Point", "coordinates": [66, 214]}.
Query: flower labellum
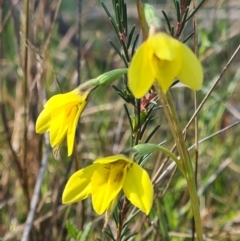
{"type": "Point", "coordinates": [103, 181]}
{"type": "Point", "coordinates": [163, 58]}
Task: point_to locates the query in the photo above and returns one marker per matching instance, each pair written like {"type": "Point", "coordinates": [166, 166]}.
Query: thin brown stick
{"type": "Point", "coordinates": [82, 217]}
{"type": "Point", "coordinates": [25, 103]}
{"type": "Point", "coordinates": [47, 41]}
{"type": "Point", "coordinates": [122, 218]}
{"type": "Point", "coordinates": [36, 194]}
{"type": "Point", "coordinates": [79, 56]}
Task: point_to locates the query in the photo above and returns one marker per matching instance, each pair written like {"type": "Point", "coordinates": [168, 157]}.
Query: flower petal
{"type": "Point", "coordinates": [167, 59]}
{"type": "Point", "coordinates": [140, 75]}
{"type": "Point", "coordinates": [138, 188]}
{"type": "Point", "coordinates": [58, 126]}
{"type": "Point", "coordinates": [164, 46]}
{"type": "Point", "coordinates": [191, 73]}
{"type": "Point", "coordinates": [107, 182]}
{"type": "Point", "coordinates": [110, 159]}
{"type": "Point", "coordinates": [78, 186]}
{"type": "Point", "coordinates": [60, 100]}
{"type": "Point", "coordinates": [43, 121]}
{"type": "Point", "coordinates": [166, 71]}
{"type": "Point", "coordinates": [73, 120]}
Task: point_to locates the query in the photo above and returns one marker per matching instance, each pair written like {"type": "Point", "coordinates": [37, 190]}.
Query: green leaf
{"type": "Point", "coordinates": [167, 20]}
{"type": "Point", "coordinates": [130, 36]}
{"type": "Point", "coordinates": [86, 232]}
{"type": "Point", "coordinates": [72, 231]}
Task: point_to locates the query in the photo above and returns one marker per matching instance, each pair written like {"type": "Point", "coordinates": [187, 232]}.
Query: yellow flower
{"type": "Point", "coordinates": [163, 58]}
{"type": "Point", "coordinates": [104, 180]}
{"type": "Point", "coordinates": [61, 112]}
{"type": "Point", "coordinates": [60, 117]}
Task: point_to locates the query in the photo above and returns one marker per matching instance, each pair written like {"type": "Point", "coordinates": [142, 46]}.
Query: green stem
{"type": "Point", "coordinates": [142, 20]}
{"type": "Point", "coordinates": [173, 121]}
{"type": "Point", "coordinates": [171, 155]}
{"type": "Point", "coordinates": [149, 148]}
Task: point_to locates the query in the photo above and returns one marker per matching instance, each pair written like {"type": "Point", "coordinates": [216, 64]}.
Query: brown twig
{"type": "Point", "coordinates": [183, 8]}
{"type": "Point", "coordinates": [25, 104]}
{"type": "Point", "coordinates": [36, 194]}
{"type": "Point", "coordinates": [121, 219]}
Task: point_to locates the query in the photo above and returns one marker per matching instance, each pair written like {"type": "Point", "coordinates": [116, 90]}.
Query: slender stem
{"type": "Point", "coordinates": [142, 20]}
{"type": "Point", "coordinates": [121, 219]}
{"type": "Point", "coordinates": [195, 40]}
{"type": "Point", "coordinates": [171, 155]}
{"type": "Point", "coordinates": [79, 56]}
{"type": "Point", "coordinates": [173, 121]}
{"type": "Point", "coordinates": [25, 98]}
{"type": "Point", "coordinates": [50, 31]}
{"type": "Point", "coordinates": [35, 197]}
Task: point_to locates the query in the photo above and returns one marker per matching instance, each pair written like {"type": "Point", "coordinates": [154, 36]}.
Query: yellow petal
{"type": "Point", "coordinates": [166, 71]}
{"type": "Point", "coordinates": [63, 99]}
{"type": "Point", "coordinates": [138, 188]}
{"type": "Point", "coordinates": [167, 59]}
{"type": "Point", "coordinates": [164, 46]}
{"type": "Point", "coordinates": [73, 121]}
{"type": "Point", "coordinates": [78, 186]}
{"type": "Point", "coordinates": [140, 75]}
{"type": "Point", "coordinates": [191, 73]}
{"type": "Point", "coordinates": [110, 159]}
{"type": "Point", "coordinates": [58, 127]}
{"type": "Point", "coordinates": [107, 182]}
{"type": "Point", "coordinates": [43, 121]}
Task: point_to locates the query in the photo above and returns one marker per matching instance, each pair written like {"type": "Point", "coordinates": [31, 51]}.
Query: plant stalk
{"type": "Point", "coordinates": [172, 118]}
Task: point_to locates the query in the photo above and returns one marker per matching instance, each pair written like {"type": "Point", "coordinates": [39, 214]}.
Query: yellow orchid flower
{"type": "Point", "coordinates": [60, 117]}
{"type": "Point", "coordinates": [163, 58]}
{"type": "Point", "coordinates": [61, 112]}
{"type": "Point", "coordinates": [104, 180]}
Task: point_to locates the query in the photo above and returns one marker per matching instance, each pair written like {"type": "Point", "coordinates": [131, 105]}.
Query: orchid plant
{"type": "Point", "coordinates": [155, 65]}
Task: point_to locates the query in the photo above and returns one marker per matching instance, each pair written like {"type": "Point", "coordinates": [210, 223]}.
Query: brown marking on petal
{"type": "Point", "coordinates": [118, 176]}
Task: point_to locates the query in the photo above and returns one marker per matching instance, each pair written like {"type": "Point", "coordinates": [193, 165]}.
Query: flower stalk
{"type": "Point", "coordinates": [172, 118]}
